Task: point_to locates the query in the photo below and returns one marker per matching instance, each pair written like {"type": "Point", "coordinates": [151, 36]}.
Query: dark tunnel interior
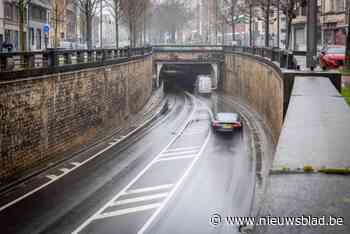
{"type": "Point", "coordinates": [182, 76]}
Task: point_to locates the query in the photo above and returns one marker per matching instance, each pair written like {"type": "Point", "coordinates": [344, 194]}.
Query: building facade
{"type": "Point", "coordinates": [9, 23]}
{"type": "Point", "coordinates": [331, 26]}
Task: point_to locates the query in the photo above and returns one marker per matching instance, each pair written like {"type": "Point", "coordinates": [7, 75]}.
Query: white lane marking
{"type": "Point", "coordinates": [174, 190]}
{"type": "Point", "coordinates": [148, 189]}
{"type": "Point", "coordinates": [176, 158]}
{"type": "Point", "coordinates": [184, 148]}
{"type": "Point", "coordinates": [127, 211]}
{"type": "Point", "coordinates": [64, 170]}
{"type": "Point", "coordinates": [139, 199]}
{"type": "Point", "coordinates": [52, 177]}
{"type": "Point", "coordinates": [138, 176]}
{"type": "Point", "coordinates": [193, 133]}
{"type": "Point", "coordinates": [180, 153]}
{"type": "Point", "coordinates": [76, 164]}
{"type": "Point", "coordinates": [83, 163]}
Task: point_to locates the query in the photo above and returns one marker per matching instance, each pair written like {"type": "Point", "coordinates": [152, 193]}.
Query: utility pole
{"type": "Point", "coordinates": [311, 33]}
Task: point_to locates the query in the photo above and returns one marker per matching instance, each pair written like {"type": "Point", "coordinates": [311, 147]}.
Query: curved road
{"type": "Point", "coordinates": [169, 178]}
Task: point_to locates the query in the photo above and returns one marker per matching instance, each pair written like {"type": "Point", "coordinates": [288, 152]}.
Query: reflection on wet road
{"type": "Point", "coordinates": [170, 180]}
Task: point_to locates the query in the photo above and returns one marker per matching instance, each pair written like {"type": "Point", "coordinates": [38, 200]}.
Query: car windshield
{"type": "Point", "coordinates": [336, 50]}
{"type": "Point", "coordinates": [227, 117]}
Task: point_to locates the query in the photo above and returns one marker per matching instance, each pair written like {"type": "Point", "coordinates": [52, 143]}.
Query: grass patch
{"type": "Point", "coordinates": [336, 171]}
{"type": "Point", "coordinates": [344, 71]}
{"type": "Point", "coordinates": [308, 169]}
{"type": "Point", "coordinates": [345, 92]}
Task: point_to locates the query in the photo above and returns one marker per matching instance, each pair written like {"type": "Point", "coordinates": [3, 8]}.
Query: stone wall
{"type": "Point", "coordinates": [259, 84]}
{"type": "Point", "coordinates": [44, 117]}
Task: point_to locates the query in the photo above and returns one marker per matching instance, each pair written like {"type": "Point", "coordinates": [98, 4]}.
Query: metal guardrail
{"type": "Point", "coordinates": [16, 61]}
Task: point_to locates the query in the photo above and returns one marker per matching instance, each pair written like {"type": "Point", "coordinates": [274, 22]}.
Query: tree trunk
{"type": "Point", "coordinates": [22, 37]}
{"type": "Point", "coordinates": [116, 32]}
{"type": "Point", "coordinates": [289, 29]}
{"type": "Point", "coordinates": [267, 25]}
{"type": "Point", "coordinates": [233, 20]}
{"type": "Point", "coordinates": [89, 31]}
{"type": "Point", "coordinates": [56, 27]}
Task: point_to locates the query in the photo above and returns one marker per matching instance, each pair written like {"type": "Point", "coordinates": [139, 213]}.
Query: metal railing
{"type": "Point", "coordinates": [19, 61]}
{"type": "Point", "coordinates": [285, 59]}
{"type": "Point", "coordinates": [16, 61]}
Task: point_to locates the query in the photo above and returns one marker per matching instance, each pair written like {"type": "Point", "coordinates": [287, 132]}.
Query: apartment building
{"type": "Point", "coordinates": [331, 26]}
{"type": "Point", "coordinates": [9, 23]}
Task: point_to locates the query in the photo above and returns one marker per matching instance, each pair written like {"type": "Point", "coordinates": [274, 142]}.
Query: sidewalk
{"type": "Point", "coordinates": [316, 133]}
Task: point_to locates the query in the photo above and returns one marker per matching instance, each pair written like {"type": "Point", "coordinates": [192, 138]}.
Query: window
{"type": "Point", "coordinates": [32, 35]}
{"type": "Point", "coordinates": [340, 5]}
{"type": "Point", "coordinates": [8, 13]}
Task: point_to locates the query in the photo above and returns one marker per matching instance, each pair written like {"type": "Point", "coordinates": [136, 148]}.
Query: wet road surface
{"type": "Point", "coordinates": [171, 179]}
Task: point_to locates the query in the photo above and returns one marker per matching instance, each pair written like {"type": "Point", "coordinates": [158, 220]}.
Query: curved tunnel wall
{"type": "Point", "coordinates": [259, 84]}
{"type": "Point", "coordinates": [44, 117]}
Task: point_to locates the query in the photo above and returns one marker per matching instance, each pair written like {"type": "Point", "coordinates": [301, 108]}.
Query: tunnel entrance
{"type": "Point", "coordinates": [183, 76]}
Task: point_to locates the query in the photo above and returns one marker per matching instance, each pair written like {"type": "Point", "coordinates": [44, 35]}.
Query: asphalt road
{"type": "Point", "coordinates": [170, 178]}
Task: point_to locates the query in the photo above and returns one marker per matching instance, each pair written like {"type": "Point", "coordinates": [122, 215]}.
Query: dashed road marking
{"type": "Point", "coordinates": [148, 189]}
{"type": "Point", "coordinates": [139, 199]}
{"type": "Point", "coordinates": [180, 153]}
{"type": "Point", "coordinates": [76, 164]}
{"type": "Point", "coordinates": [64, 170]}
{"type": "Point", "coordinates": [184, 148]}
{"type": "Point", "coordinates": [127, 211]}
{"type": "Point", "coordinates": [52, 177]}
{"type": "Point", "coordinates": [176, 158]}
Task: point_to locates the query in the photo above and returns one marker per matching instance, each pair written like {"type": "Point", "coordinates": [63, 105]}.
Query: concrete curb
{"type": "Point", "coordinates": [16, 182]}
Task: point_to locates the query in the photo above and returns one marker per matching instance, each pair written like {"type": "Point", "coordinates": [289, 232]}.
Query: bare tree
{"type": "Point", "coordinates": [266, 10]}
{"type": "Point", "coordinates": [115, 10]}
{"type": "Point", "coordinates": [132, 13]}
{"type": "Point", "coordinates": [289, 8]}
{"type": "Point", "coordinates": [58, 17]}
{"type": "Point", "coordinates": [170, 17]}
{"type": "Point", "coordinates": [88, 8]}
{"type": "Point", "coordinates": [21, 6]}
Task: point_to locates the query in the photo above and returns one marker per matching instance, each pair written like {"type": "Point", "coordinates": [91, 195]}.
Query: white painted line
{"type": "Point", "coordinates": [52, 177]}
{"type": "Point", "coordinates": [180, 153]}
{"type": "Point", "coordinates": [176, 158]}
{"type": "Point", "coordinates": [138, 176]}
{"type": "Point", "coordinates": [184, 148]}
{"type": "Point", "coordinates": [139, 199]}
{"type": "Point", "coordinates": [127, 211]}
{"type": "Point", "coordinates": [64, 170]}
{"type": "Point", "coordinates": [173, 191]}
{"type": "Point", "coordinates": [148, 189]}
{"type": "Point", "coordinates": [76, 164]}
{"type": "Point", "coordinates": [193, 133]}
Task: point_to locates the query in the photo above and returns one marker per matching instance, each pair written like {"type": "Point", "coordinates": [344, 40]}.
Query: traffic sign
{"type": "Point", "coordinates": [46, 28]}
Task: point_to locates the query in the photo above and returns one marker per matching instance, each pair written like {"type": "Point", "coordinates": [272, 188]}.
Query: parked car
{"type": "Point", "coordinates": [332, 57]}
{"type": "Point", "coordinates": [227, 122]}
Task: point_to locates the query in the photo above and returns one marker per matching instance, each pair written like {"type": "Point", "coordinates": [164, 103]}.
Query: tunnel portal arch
{"type": "Point", "coordinates": [214, 68]}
